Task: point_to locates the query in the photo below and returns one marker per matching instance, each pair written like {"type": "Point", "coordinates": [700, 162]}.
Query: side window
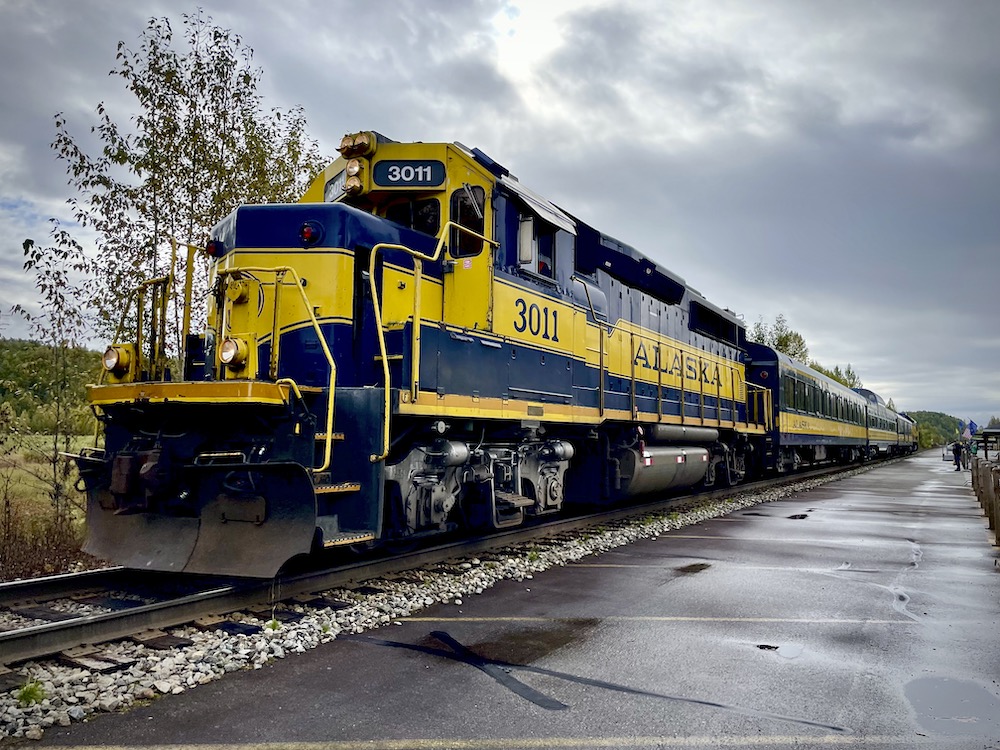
{"type": "Point", "coordinates": [421, 215]}
{"type": "Point", "coordinates": [468, 209]}
{"type": "Point", "coordinates": [536, 246]}
{"type": "Point", "coordinates": [546, 239]}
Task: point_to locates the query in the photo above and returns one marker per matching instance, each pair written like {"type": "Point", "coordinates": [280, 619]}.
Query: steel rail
{"type": "Point", "coordinates": [64, 584]}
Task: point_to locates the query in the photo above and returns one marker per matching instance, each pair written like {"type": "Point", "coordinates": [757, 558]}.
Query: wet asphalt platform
{"type": "Point", "coordinates": [865, 613]}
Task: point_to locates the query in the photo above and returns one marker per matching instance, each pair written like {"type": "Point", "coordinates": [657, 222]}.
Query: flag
{"type": "Point", "coordinates": [973, 427]}
{"type": "Point", "coordinates": [966, 435]}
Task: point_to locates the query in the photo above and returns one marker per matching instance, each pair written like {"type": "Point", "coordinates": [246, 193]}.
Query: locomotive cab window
{"type": "Point", "coordinates": [423, 215]}
{"type": "Point", "coordinates": [468, 209]}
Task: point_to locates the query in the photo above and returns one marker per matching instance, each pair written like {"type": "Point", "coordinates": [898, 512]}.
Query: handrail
{"type": "Point", "coordinates": [188, 284]}
{"type": "Point", "coordinates": [280, 272]}
{"type": "Point", "coordinates": [415, 355]}
{"type": "Point", "coordinates": [158, 355]}
{"type": "Point", "coordinates": [765, 419]}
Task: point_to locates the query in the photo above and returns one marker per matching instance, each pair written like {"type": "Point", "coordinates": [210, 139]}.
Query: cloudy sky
{"type": "Point", "coordinates": [835, 162]}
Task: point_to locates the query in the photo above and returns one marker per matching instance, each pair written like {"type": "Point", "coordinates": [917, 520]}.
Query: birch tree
{"type": "Point", "coordinates": [199, 143]}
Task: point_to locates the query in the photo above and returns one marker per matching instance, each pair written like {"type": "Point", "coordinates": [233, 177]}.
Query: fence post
{"type": "Point", "coordinates": [985, 484]}
{"type": "Point", "coordinates": [994, 498]}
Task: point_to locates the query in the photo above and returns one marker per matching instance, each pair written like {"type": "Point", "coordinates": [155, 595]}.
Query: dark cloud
{"type": "Point", "coordinates": [835, 162]}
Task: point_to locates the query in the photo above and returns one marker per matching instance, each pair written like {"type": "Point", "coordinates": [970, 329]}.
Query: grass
{"type": "Point", "coordinates": [34, 538]}
{"type": "Point", "coordinates": [30, 693]}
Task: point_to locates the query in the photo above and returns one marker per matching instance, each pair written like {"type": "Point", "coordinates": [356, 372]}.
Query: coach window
{"type": "Point", "coordinates": [468, 209]}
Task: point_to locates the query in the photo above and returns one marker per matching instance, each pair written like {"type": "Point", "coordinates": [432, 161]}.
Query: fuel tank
{"type": "Point", "coordinates": [658, 468]}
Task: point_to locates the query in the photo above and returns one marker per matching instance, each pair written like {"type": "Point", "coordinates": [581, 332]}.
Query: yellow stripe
{"type": "Point", "coordinates": [804, 424]}
{"type": "Point", "coordinates": [429, 403]}
{"type": "Point", "coordinates": [246, 391]}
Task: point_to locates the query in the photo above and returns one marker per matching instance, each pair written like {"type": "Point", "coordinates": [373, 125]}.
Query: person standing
{"type": "Point", "coordinates": [956, 449]}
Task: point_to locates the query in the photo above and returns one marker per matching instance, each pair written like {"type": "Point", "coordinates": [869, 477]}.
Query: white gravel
{"type": "Point", "coordinates": [55, 694]}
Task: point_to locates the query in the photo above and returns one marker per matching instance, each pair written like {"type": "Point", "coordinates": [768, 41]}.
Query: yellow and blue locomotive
{"type": "Point", "coordinates": [422, 344]}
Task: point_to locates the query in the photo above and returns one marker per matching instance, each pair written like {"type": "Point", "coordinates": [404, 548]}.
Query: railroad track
{"type": "Point", "coordinates": [118, 603]}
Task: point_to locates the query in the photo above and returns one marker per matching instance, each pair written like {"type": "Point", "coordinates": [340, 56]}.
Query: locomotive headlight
{"type": "Point", "coordinates": [353, 185]}
{"type": "Point", "coordinates": [233, 353]}
{"type": "Point", "coordinates": [363, 141]}
{"type": "Point", "coordinates": [354, 172]}
{"type": "Point", "coordinates": [116, 359]}
{"type": "Point", "coordinates": [358, 144]}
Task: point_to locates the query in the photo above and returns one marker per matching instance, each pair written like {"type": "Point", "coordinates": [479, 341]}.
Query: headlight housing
{"type": "Point", "coordinates": [116, 359]}
{"type": "Point", "coordinates": [233, 352]}
{"type": "Point", "coordinates": [358, 144]}
{"type": "Point", "coordinates": [354, 186]}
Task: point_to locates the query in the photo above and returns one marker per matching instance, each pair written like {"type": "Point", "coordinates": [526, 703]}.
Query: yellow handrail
{"type": "Point", "coordinates": [281, 271]}
{"type": "Point", "coordinates": [158, 355]}
{"type": "Point", "coordinates": [188, 284]}
{"type": "Point", "coordinates": [415, 355]}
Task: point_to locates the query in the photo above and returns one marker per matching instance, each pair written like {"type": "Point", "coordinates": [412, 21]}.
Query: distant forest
{"type": "Point", "coordinates": [39, 387]}
{"type": "Point", "coordinates": [936, 428]}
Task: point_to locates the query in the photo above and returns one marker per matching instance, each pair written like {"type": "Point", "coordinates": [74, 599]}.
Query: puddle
{"type": "Point", "coordinates": [798, 516]}
{"type": "Point", "coordinates": [693, 568]}
{"type": "Point", "coordinates": [788, 650]}
{"type": "Point", "coordinates": [757, 514]}
{"type": "Point", "coordinates": [954, 707]}
{"type": "Point", "coordinates": [791, 650]}
{"type": "Point", "coordinates": [529, 644]}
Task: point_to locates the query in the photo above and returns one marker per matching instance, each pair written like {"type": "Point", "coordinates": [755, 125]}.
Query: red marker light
{"type": "Point", "coordinates": [310, 233]}
{"type": "Point", "coordinates": [215, 248]}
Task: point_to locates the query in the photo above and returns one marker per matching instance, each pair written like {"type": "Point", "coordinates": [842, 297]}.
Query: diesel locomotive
{"type": "Point", "coordinates": [422, 345]}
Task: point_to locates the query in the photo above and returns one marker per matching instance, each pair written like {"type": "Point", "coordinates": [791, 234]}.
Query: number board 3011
{"type": "Point", "coordinates": [408, 173]}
